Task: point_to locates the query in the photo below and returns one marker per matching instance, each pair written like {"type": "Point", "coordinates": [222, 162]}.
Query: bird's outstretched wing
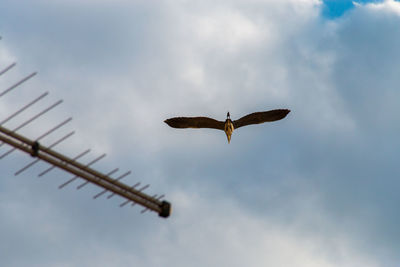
{"type": "Point", "coordinates": [195, 122]}
{"type": "Point", "coordinates": [260, 117]}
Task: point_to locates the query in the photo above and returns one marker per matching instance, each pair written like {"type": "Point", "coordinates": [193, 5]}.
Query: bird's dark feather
{"type": "Point", "coordinates": [195, 122]}
{"type": "Point", "coordinates": [260, 117]}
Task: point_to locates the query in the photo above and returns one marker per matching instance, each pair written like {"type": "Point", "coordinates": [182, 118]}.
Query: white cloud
{"type": "Point", "coordinates": [388, 6]}
{"type": "Point", "coordinates": [5, 55]}
{"type": "Point", "coordinates": [203, 231]}
{"type": "Point", "coordinates": [227, 31]}
{"type": "Point", "coordinates": [223, 234]}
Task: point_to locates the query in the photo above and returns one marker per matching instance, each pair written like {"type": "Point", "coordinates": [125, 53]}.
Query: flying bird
{"type": "Point", "coordinates": [228, 126]}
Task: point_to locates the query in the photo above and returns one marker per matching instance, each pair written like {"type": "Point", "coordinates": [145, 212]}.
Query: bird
{"type": "Point", "coordinates": [228, 126]}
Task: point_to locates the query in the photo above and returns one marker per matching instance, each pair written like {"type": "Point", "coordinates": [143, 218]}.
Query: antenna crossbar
{"type": "Point", "coordinates": [163, 208]}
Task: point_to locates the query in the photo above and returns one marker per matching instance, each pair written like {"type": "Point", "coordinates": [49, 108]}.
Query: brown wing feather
{"type": "Point", "coordinates": [195, 122]}
{"type": "Point", "coordinates": [260, 117]}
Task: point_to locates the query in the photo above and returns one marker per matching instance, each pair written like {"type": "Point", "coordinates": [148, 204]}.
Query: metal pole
{"type": "Point", "coordinates": [33, 148]}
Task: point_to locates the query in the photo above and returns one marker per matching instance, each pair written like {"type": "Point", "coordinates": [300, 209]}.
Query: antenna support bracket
{"type": "Point", "coordinates": [35, 149]}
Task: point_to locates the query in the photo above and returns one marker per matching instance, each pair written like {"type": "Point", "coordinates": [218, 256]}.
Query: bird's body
{"type": "Point", "coordinates": [228, 126]}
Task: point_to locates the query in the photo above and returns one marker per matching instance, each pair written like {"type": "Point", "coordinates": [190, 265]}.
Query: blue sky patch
{"type": "Point", "coordinates": [336, 8]}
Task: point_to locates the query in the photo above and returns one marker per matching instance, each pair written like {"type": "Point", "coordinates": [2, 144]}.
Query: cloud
{"type": "Point", "coordinates": [389, 6]}
{"type": "Point", "coordinates": [224, 234]}
{"type": "Point", "coordinates": [220, 234]}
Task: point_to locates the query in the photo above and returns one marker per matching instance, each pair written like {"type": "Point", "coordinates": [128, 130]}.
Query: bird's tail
{"type": "Point", "coordinates": [229, 138]}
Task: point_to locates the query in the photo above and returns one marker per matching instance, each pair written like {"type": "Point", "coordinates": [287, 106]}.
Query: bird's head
{"type": "Point", "coordinates": [228, 116]}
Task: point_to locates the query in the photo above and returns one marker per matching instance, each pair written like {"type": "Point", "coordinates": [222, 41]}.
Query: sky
{"type": "Point", "coordinates": [319, 188]}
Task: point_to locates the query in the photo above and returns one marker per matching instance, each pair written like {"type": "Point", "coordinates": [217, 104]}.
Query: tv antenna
{"type": "Point", "coordinates": [109, 182]}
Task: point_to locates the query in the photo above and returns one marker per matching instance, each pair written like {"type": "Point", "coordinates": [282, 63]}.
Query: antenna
{"type": "Point", "coordinates": [131, 194]}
